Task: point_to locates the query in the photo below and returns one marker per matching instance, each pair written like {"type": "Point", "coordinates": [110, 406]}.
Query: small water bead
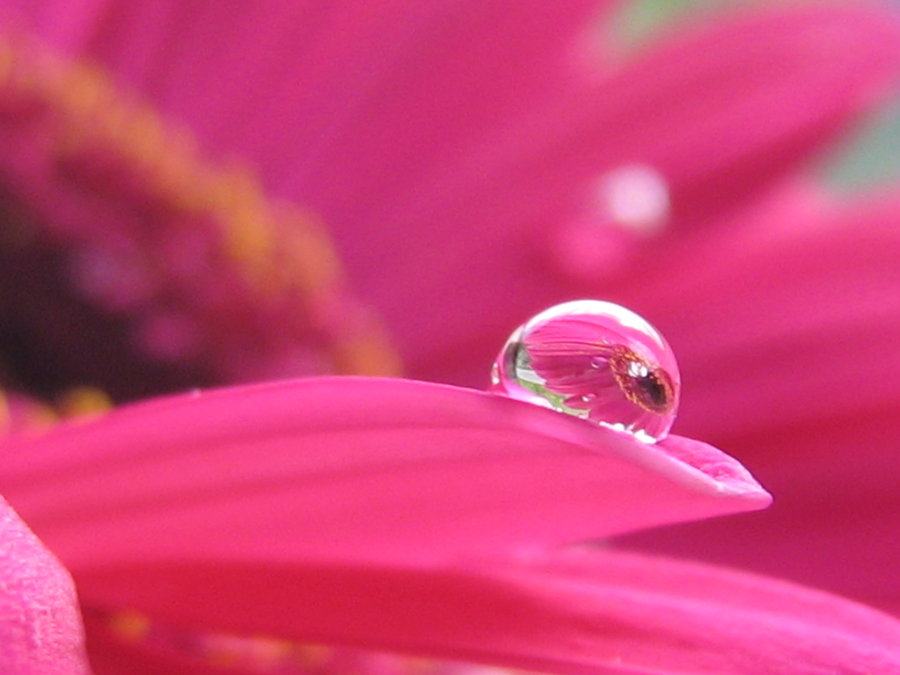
{"type": "Point", "coordinates": [595, 360]}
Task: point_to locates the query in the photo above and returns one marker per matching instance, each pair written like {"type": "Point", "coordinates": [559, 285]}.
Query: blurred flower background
{"type": "Point", "coordinates": [197, 193]}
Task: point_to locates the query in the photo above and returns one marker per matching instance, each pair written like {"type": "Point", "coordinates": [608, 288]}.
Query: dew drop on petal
{"type": "Point", "coordinates": [594, 360]}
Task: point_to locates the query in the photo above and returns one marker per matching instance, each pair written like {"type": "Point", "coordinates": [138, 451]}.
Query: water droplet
{"type": "Point", "coordinates": [595, 360]}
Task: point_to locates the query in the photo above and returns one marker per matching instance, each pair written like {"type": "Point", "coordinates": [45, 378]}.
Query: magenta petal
{"type": "Point", "coordinates": [40, 627]}
{"type": "Point", "coordinates": [574, 612]}
{"type": "Point", "coordinates": [346, 467]}
{"type": "Point", "coordinates": [777, 83]}
{"type": "Point", "coordinates": [796, 325]}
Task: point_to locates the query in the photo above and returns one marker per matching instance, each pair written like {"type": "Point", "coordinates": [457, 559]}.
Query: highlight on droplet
{"type": "Point", "coordinates": [597, 361]}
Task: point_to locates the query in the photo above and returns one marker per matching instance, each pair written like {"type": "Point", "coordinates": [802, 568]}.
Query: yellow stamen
{"type": "Point", "coordinates": [237, 199]}
{"type": "Point", "coordinates": [5, 415]}
{"type": "Point", "coordinates": [84, 92]}
{"type": "Point", "coordinates": [303, 233]}
{"type": "Point", "coordinates": [130, 625]}
{"type": "Point", "coordinates": [7, 58]}
{"type": "Point", "coordinates": [282, 251]}
{"type": "Point", "coordinates": [87, 402]}
{"type": "Point", "coordinates": [369, 354]}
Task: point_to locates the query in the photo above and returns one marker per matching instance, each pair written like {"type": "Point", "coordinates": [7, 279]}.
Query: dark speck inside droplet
{"type": "Point", "coordinates": [653, 390]}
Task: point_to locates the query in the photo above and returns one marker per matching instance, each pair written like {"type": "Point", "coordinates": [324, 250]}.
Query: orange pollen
{"type": "Point", "coordinates": [5, 415]}
{"type": "Point", "coordinates": [283, 253]}
{"type": "Point", "coordinates": [83, 402]}
{"type": "Point", "coordinates": [130, 625]}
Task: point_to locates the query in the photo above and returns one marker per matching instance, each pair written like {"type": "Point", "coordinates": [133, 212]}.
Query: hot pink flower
{"type": "Point", "coordinates": [396, 515]}
{"type": "Point", "coordinates": [473, 164]}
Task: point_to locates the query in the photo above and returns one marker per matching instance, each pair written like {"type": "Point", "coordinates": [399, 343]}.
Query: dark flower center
{"type": "Point", "coordinates": [132, 264]}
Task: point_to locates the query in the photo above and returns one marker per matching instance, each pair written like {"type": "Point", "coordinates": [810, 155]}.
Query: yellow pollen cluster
{"type": "Point", "coordinates": [83, 402]}
{"type": "Point", "coordinates": [281, 251]}
{"type": "Point", "coordinates": [264, 654]}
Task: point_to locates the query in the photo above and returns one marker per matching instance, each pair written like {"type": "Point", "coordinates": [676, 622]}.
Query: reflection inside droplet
{"type": "Point", "coordinates": [595, 360]}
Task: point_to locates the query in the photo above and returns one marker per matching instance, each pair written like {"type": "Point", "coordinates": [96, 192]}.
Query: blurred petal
{"type": "Point", "coordinates": [40, 627]}
{"type": "Point", "coordinates": [349, 468]}
{"type": "Point", "coordinates": [433, 133]}
{"type": "Point", "coordinates": [718, 131]}
{"type": "Point", "coordinates": [804, 306]}
{"type": "Point", "coordinates": [575, 612]}
{"type": "Point", "coordinates": [836, 519]}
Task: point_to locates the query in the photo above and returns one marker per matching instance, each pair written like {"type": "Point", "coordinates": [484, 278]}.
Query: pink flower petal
{"type": "Point", "coordinates": [836, 521]}
{"type": "Point", "coordinates": [575, 612]}
{"type": "Point", "coordinates": [350, 467]}
{"type": "Point", "coordinates": [803, 308]}
{"type": "Point", "coordinates": [429, 136]}
{"type": "Point", "coordinates": [718, 130]}
{"type": "Point", "coordinates": [791, 335]}
{"type": "Point", "coordinates": [40, 627]}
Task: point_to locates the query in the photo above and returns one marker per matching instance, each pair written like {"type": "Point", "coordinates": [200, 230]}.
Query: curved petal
{"type": "Point", "coordinates": [353, 467]}
{"type": "Point", "coordinates": [791, 338]}
{"type": "Point", "coordinates": [720, 131]}
{"type": "Point", "coordinates": [800, 310]}
{"type": "Point", "coordinates": [575, 612]}
{"type": "Point", "coordinates": [435, 132]}
{"type": "Point", "coordinates": [40, 627]}
{"type": "Point", "coordinates": [836, 520]}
